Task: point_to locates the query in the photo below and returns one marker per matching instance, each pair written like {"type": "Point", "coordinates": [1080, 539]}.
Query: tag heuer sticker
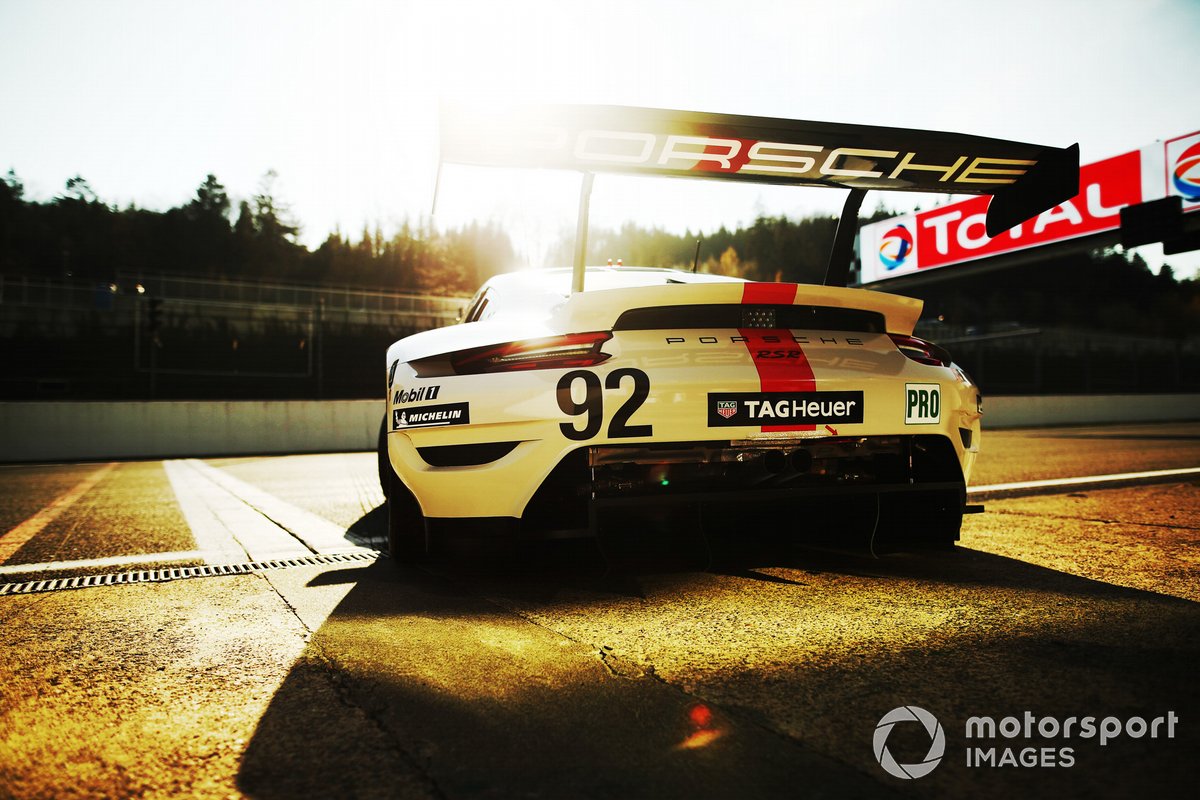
{"type": "Point", "coordinates": [922, 404]}
{"type": "Point", "coordinates": [431, 416]}
{"type": "Point", "coordinates": [731, 409]}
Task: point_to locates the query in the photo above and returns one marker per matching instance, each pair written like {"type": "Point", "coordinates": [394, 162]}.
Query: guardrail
{"type": "Point", "coordinates": [49, 293]}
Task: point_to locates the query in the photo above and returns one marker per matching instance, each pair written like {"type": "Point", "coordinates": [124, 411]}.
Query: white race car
{"type": "Point", "coordinates": [664, 388]}
{"type": "Point", "coordinates": [569, 398]}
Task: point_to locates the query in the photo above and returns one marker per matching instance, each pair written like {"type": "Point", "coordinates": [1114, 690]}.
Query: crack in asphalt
{"type": "Point", "coordinates": [344, 690]}
{"type": "Point", "coordinates": [622, 668]}
{"type": "Point", "coordinates": [340, 680]}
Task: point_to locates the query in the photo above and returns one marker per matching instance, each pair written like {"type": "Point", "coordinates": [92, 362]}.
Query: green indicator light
{"type": "Point", "coordinates": [665, 483]}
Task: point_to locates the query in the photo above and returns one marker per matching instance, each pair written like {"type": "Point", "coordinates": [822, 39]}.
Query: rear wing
{"type": "Point", "coordinates": [1023, 179]}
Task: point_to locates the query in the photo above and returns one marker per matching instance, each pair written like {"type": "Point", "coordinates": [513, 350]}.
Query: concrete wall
{"type": "Point", "coordinates": [84, 431]}
{"type": "Point", "coordinates": [1067, 409]}
{"type": "Point", "coordinates": [57, 431]}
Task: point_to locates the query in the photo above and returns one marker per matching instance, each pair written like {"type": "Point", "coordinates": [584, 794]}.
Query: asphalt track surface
{"type": "Point", "coordinates": [761, 672]}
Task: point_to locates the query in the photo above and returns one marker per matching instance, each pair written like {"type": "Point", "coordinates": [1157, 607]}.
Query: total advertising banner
{"type": "Point", "coordinates": [954, 233]}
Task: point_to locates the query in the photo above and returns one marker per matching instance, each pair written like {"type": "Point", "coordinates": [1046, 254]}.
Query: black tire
{"type": "Point", "coordinates": [385, 466]}
{"type": "Point", "coordinates": [407, 536]}
{"type": "Point", "coordinates": [408, 541]}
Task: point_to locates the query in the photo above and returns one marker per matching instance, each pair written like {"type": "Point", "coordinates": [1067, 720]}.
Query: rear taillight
{"type": "Point", "coordinates": [555, 352]}
{"type": "Point", "coordinates": [921, 351]}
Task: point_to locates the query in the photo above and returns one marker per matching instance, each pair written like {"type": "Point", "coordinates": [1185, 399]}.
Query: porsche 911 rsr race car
{"type": "Point", "coordinates": [545, 412]}
{"type": "Point", "coordinates": [569, 402]}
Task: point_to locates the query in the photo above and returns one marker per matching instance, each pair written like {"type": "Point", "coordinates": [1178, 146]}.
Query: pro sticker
{"type": "Point", "coordinates": [922, 404]}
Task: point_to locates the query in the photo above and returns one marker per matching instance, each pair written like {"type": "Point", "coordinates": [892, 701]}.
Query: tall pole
{"type": "Point", "coordinates": [581, 232]}
{"type": "Point", "coordinates": [320, 348]}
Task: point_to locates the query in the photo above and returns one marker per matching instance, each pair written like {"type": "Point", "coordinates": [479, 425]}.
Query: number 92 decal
{"type": "Point", "coordinates": [592, 407]}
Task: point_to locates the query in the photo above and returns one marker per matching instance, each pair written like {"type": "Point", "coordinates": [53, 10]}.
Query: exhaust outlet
{"type": "Point", "coordinates": [800, 460]}
{"type": "Point", "coordinates": [774, 462]}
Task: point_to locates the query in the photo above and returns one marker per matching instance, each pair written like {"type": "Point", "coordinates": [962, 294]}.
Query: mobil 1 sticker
{"type": "Point", "coordinates": [730, 409]}
{"type": "Point", "coordinates": [922, 404]}
{"type": "Point", "coordinates": [431, 416]}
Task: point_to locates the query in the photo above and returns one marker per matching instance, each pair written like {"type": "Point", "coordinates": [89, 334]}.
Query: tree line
{"type": "Point", "coordinates": [77, 235]}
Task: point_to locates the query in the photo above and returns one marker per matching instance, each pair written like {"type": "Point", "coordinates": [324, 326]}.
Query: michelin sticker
{"type": "Point", "coordinates": [922, 404]}
{"type": "Point", "coordinates": [431, 416]}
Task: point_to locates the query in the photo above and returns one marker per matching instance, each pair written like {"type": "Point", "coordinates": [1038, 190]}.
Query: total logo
{"type": "Point", "coordinates": [895, 247]}
{"type": "Point", "coordinates": [1185, 176]}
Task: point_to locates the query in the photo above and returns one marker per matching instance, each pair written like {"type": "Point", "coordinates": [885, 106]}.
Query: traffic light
{"type": "Point", "coordinates": [154, 316]}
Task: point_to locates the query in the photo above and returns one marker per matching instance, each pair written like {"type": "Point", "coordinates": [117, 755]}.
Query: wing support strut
{"type": "Point", "coordinates": [837, 272]}
{"type": "Point", "coordinates": [581, 232]}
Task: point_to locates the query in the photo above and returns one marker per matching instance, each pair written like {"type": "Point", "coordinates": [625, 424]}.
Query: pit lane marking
{"type": "Point", "coordinates": [1034, 487]}
{"type": "Point", "coordinates": [15, 539]}
{"type": "Point", "coordinates": [232, 520]}
{"type": "Point", "coordinates": [318, 534]}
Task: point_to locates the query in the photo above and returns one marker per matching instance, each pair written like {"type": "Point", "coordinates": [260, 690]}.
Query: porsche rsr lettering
{"type": "Point", "coordinates": [769, 354]}
{"type": "Point", "coordinates": [728, 409]}
{"type": "Point", "coordinates": [768, 339]}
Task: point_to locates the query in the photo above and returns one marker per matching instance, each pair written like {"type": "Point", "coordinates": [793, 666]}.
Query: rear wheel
{"type": "Point", "coordinates": [407, 540]}
{"type": "Point", "coordinates": [384, 465]}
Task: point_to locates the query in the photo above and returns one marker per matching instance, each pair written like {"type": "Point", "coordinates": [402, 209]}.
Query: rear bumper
{"type": "Point", "coordinates": [518, 434]}
{"type": "Point", "coordinates": [908, 480]}
{"type": "Point", "coordinates": [879, 518]}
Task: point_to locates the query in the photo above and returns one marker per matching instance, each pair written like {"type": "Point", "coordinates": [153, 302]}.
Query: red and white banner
{"type": "Point", "coordinates": [954, 233]}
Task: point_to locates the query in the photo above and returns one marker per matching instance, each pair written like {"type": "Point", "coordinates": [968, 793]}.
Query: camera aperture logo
{"type": "Point", "coordinates": [1015, 741]}
{"type": "Point", "coordinates": [937, 743]}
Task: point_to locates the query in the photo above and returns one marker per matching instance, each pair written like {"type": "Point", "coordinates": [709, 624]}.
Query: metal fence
{"type": "Point", "coordinates": [1020, 359]}
{"type": "Point", "coordinates": [24, 291]}
{"type": "Point", "coordinates": [144, 337]}
{"type": "Point", "coordinates": [151, 337]}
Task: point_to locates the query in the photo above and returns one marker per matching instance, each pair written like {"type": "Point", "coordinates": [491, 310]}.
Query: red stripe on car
{"type": "Point", "coordinates": [789, 373]}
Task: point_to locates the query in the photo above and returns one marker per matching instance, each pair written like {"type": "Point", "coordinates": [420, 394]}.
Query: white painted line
{"type": "Point", "coordinates": [321, 535]}
{"type": "Point", "coordinates": [15, 539]}
{"type": "Point", "coordinates": [112, 561]}
{"type": "Point", "coordinates": [224, 525]}
{"type": "Point", "coordinates": [1084, 481]}
{"type": "Point", "coordinates": [217, 541]}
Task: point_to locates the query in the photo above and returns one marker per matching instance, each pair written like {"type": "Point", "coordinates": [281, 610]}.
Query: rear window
{"type": "Point", "coordinates": [730, 315]}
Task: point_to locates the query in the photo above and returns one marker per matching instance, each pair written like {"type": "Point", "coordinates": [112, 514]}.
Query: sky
{"type": "Point", "coordinates": [143, 99]}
